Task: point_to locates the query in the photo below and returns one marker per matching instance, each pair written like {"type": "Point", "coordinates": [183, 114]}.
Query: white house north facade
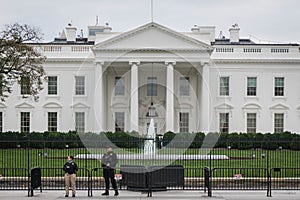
{"type": "Point", "coordinates": [192, 81]}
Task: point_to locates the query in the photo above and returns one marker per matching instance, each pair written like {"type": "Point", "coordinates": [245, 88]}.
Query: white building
{"type": "Point", "coordinates": [107, 81]}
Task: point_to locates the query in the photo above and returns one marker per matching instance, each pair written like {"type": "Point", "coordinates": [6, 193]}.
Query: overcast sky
{"type": "Point", "coordinates": [268, 20]}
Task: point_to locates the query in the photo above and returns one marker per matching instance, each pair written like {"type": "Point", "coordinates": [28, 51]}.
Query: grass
{"type": "Point", "coordinates": [55, 158]}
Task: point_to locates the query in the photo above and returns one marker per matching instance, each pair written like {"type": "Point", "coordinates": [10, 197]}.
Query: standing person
{"type": "Point", "coordinates": [109, 161]}
{"type": "Point", "coordinates": [70, 177]}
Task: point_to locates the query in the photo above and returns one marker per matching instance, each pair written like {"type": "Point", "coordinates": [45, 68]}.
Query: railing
{"type": "Point", "coordinates": [243, 165]}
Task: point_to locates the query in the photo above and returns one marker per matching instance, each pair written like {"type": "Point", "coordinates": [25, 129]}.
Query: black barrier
{"type": "Point", "coordinates": [53, 179]}
{"type": "Point", "coordinates": [134, 177]}
{"type": "Point", "coordinates": [152, 178]}
{"type": "Point", "coordinates": [36, 179]}
{"type": "Point", "coordinates": [284, 179]}
{"type": "Point", "coordinates": [14, 179]}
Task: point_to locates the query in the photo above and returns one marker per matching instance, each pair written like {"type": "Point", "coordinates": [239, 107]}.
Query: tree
{"type": "Point", "coordinates": [20, 60]}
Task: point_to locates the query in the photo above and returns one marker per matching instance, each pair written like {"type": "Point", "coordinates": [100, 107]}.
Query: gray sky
{"type": "Point", "coordinates": [269, 20]}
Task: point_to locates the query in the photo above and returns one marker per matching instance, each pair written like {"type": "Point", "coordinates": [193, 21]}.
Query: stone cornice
{"type": "Point", "coordinates": [77, 60]}
{"type": "Point", "coordinates": [270, 61]}
{"type": "Point", "coordinates": [151, 50]}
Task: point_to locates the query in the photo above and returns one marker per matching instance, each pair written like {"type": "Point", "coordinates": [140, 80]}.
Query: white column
{"type": "Point", "coordinates": [134, 97]}
{"type": "Point", "coordinates": [170, 96]}
{"type": "Point", "coordinates": [99, 99]}
{"type": "Point", "coordinates": [205, 100]}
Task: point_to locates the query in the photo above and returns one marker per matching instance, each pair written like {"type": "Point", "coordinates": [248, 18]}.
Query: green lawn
{"type": "Point", "coordinates": [55, 158]}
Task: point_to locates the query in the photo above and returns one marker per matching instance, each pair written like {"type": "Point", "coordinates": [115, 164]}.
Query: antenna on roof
{"type": "Point", "coordinates": [97, 20]}
{"type": "Point", "coordinates": [151, 10]}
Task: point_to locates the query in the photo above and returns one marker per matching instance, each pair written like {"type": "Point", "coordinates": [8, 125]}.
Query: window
{"type": "Point", "coordinates": [25, 85]}
{"type": "Point", "coordinates": [52, 121]}
{"type": "Point", "coordinates": [184, 86]}
{"type": "Point", "coordinates": [251, 122]}
{"type": "Point", "coordinates": [1, 122]}
{"type": "Point", "coordinates": [79, 85]}
{"type": "Point", "coordinates": [151, 86]}
{"type": "Point", "coordinates": [25, 122]}
{"type": "Point", "coordinates": [80, 122]}
{"type": "Point", "coordinates": [278, 123]}
{"type": "Point", "coordinates": [155, 127]}
{"type": "Point", "coordinates": [120, 86]}
{"type": "Point", "coordinates": [251, 86]}
{"type": "Point", "coordinates": [224, 86]}
{"type": "Point", "coordinates": [119, 121]}
{"type": "Point", "coordinates": [52, 85]}
{"type": "Point", "coordinates": [279, 86]}
{"type": "Point", "coordinates": [183, 122]}
{"type": "Point", "coordinates": [224, 122]}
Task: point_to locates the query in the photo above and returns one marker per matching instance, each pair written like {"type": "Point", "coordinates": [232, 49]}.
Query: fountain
{"type": "Point", "coordinates": [149, 146]}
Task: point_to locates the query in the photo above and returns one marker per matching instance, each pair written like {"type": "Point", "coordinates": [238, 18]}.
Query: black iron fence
{"type": "Point", "coordinates": [238, 165]}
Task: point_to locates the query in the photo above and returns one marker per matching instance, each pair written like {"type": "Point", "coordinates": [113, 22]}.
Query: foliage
{"type": "Point", "coordinates": [20, 62]}
{"type": "Point", "coordinates": [241, 141]}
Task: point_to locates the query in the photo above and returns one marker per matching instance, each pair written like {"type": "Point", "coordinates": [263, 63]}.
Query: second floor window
{"type": "Point", "coordinates": [279, 86]}
{"type": "Point", "coordinates": [184, 86]}
{"type": "Point", "coordinates": [251, 86]}
{"type": "Point", "coordinates": [151, 86]}
{"type": "Point", "coordinates": [224, 86]}
{"type": "Point", "coordinates": [79, 85]}
{"type": "Point", "coordinates": [52, 85]}
{"type": "Point", "coordinates": [25, 85]}
{"type": "Point", "coordinates": [119, 86]}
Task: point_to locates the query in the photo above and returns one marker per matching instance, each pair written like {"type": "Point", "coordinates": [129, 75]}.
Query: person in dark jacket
{"type": "Point", "coordinates": [70, 168]}
{"type": "Point", "coordinates": [109, 161]}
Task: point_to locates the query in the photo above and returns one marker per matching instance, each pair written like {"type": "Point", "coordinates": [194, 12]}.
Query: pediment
{"type": "Point", "coordinates": [2, 105]}
{"type": "Point", "coordinates": [279, 106]}
{"type": "Point", "coordinates": [224, 106]}
{"type": "Point", "coordinates": [252, 106]}
{"type": "Point", "coordinates": [24, 105]}
{"type": "Point", "coordinates": [152, 36]}
{"type": "Point", "coordinates": [80, 105]}
{"type": "Point", "coordinates": [52, 105]}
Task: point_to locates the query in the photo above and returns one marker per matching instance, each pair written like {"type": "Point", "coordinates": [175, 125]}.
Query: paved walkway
{"type": "Point", "coordinates": [184, 195]}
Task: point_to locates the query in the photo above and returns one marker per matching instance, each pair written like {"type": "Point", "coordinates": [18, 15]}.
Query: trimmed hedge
{"type": "Point", "coordinates": [286, 140]}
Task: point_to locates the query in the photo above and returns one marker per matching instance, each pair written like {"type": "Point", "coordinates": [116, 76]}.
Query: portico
{"type": "Point", "coordinates": [172, 64]}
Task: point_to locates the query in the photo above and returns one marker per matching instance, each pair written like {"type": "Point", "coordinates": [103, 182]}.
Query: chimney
{"type": "Point", "coordinates": [234, 33]}
{"type": "Point", "coordinates": [71, 33]}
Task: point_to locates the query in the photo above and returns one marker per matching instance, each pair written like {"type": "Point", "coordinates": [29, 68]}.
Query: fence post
{"type": "Point", "coordinates": [269, 190]}
{"type": "Point", "coordinates": [207, 175]}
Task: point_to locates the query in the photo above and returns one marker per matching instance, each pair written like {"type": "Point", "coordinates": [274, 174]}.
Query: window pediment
{"type": "Point", "coordinates": [279, 106]}
{"type": "Point", "coordinates": [2, 105]}
{"type": "Point", "coordinates": [52, 105]}
{"type": "Point", "coordinates": [224, 106]}
{"type": "Point", "coordinates": [24, 105]}
{"type": "Point", "coordinates": [251, 106]}
{"type": "Point", "coordinates": [79, 106]}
